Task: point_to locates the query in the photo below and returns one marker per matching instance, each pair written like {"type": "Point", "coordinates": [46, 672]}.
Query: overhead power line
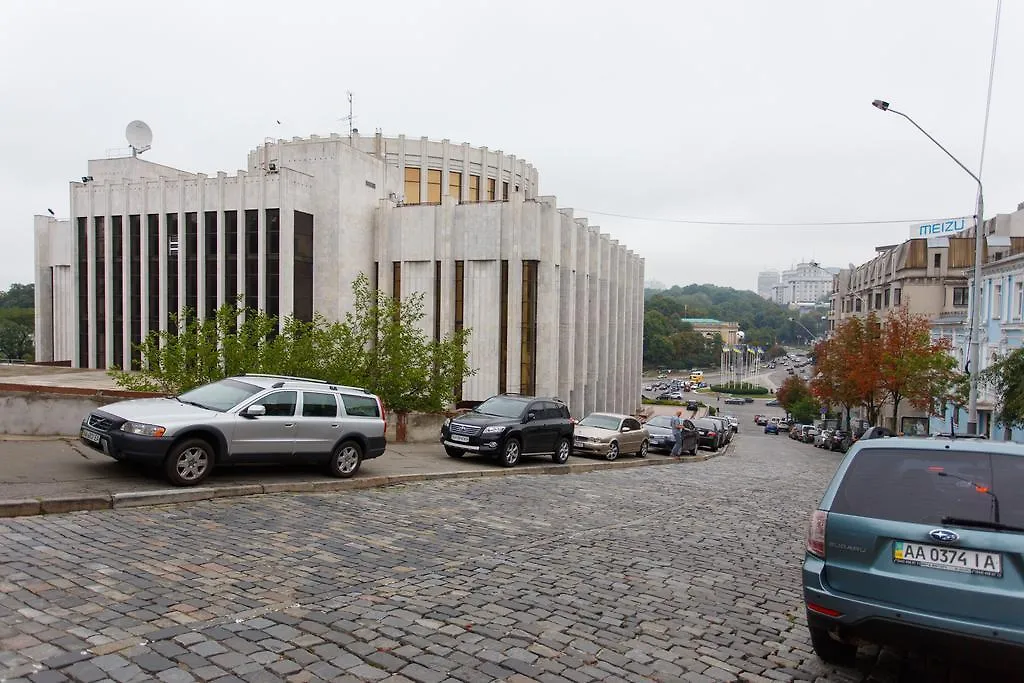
{"type": "Point", "coordinates": [753, 224]}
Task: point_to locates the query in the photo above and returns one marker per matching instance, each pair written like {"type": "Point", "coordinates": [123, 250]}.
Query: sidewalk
{"type": "Point", "coordinates": [44, 475]}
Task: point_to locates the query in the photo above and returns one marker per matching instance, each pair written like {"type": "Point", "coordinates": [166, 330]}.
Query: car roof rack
{"type": "Point", "coordinates": [285, 377]}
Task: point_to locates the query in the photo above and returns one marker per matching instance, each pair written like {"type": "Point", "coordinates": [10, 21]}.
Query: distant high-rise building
{"type": "Point", "coordinates": [767, 279]}
{"type": "Point", "coordinates": [806, 282]}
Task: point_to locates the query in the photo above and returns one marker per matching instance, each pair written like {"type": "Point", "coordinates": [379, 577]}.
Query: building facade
{"type": "Point", "coordinates": [555, 307]}
{"type": "Point", "coordinates": [709, 327]}
{"type": "Point", "coordinates": [766, 280]}
{"type": "Point", "coordinates": [805, 282]}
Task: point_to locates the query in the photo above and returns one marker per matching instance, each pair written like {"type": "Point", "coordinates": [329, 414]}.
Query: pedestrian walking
{"type": "Point", "coordinates": [676, 423]}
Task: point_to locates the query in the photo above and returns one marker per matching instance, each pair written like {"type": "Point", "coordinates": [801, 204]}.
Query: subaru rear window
{"type": "Point", "coordinates": [925, 486]}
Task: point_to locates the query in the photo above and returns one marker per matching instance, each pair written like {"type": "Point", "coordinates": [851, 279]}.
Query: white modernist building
{"type": "Point", "coordinates": [555, 306]}
{"type": "Point", "coordinates": [806, 282]}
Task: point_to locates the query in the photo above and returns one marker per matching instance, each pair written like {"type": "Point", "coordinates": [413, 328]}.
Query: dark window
{"type": "Point", "coordinates": [360, 406]}
{"type": "Point", "coordinates": [503, 330]}
{"type": "Point", "coordinates": [303, 268]}
{"type": "Point", "coordinates": [504, 192]}
{"type": "Point", "coordinates": [135, 280]}
{"type": "Point", "coordinates": [937, 259]}
{"type": "Point", "coordinates": [319, 405]}
{"type": "Point", "coordinates": [101, 293]}
{"type": "Point", "coordinates": [280, 403]}
{"type": "Point", "coordinates": [631, 423]}
{"type": "Point", "coordinates": [437, 300]}
{"type": "Point", "coordinates": [528, 365]}
{"type": "Point", "coordinates": [878, 300]}
{"type": "Point", "coordinates": [83, 293]}
{"type": "Point", "coordinates": [172, 270]}
{"type": "Point", "coordinates": [153, 256]}
{"type": "Point", "coordinates": [396, 280]}
{"type": "Point", "coordinates": [212, 274]}
{"type": "Point", "coordinates": [117, 287]}
{"type": "Point", "coordinates": [960, 296]}
{"type": "Point", "coordinates": [273, 270]}
{"type": "Point", "coordinates": [923, 486]}
{"type": "Point", "coordinates": [460, 292]}
{"type": "Point", "coordinates": [896, 296]}
{"type": "Point", "coordinates": [192, 261]}
{"type": "Point", "coordinates": [490, 189]}
{"type": "Point", "coordinates": [857, 304]}
{"type": "Point", "coordinates": [252, 258]}
{"type": "Point", "coordinates": [888, 292]}
{"type": "Point", "coordinates": [231, 258]}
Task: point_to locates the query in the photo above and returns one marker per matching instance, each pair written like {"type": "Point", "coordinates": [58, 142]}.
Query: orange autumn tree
{"type": "Point", "coordinates": [913, 366]}
{"type": "Point", "coordinates": [849, 366]}
{"type": "Point", "coordinates": [833, 384]}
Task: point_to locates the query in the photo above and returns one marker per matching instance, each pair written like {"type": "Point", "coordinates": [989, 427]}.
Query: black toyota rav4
{"type": "Point", "coordinates": [510, 426]}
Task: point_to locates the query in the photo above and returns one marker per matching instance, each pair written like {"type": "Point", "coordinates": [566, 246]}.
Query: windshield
{"type": "Point", "coordinates": [660, 421]}
{"type": "Point", "coordinates": [928, 486]}
{"type": "Point", "coordinates": [502, 406]}
{"type": "Point", "coordinates": [601, 421]}
{"type": "Point", "coordinates": [220, 396]}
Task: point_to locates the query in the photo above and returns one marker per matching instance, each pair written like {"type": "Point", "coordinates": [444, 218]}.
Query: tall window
{"type": "Point", "coordinates": [273, 270]}
{"type": "Point", "coordinates": [412, 185]}
{"type": "Point", "coordinates": [153, 287]}
{"type": "Point", "coordinates": [504, 192]}
{"type": "Point", "coordinates": [1020, 301]}
{"type": "Point", "coordinates": [252, 258]}
{"type": "Point", "coordinates": [474, 188]}
{"type": "Point", "coordinates": [192, 261]}
{"type": "Point", "coordinates": [878, 300]}
{"type": "Point", "coordinates": [117, 285]}
{"type": "Point", "coordinates": [83, 293]}
{"type": "Point", "coordinates": [503, 331]}
{"type": "Point", "coordinates": [528, 365]}
{"type": "Point", "coordinates": [396, 280]}
{"type": "Point", "coordinates": [491, 182]}
{"type": "Point", "coordinates": [997, 301]}
{"type": "Point", "coordinates": [231, 257]}
{"type": "Point", "coordinates": [897, 296]}
{"type": "Point", "coordinates": [303, 278]}
{"type": "Point", "coordinates": [437, 300]}
{"type": "Point", "coordinates": [960, 296]}
{"type": "Point", "coordinates": [434, 186]}
{"type": "Point", "coordinates": [455, 185]}
{"type": "Point", "coordinates": [135, 283]}
{"type": "Point", "coordinates": [460, 302]}
{"type": "Point", "coordinates": [857, 304]}
{"type": "Point", "coordinates": [212, 274]}
{"type": "Point", "coordinates": [101, 294]}
{"type": "Point", "coordinates": [887, 295]}
{"type": "Point", "coordinates": [172, 268]}
{"type": "Point", "coordinates": [937, 260]}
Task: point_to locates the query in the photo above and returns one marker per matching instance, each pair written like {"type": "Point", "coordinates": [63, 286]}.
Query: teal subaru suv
{"type": "Point", "coordinates": [919, 544]}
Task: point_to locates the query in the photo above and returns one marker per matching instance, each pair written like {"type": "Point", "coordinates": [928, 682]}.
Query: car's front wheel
{"type": "Point", "coordinates": [613, 451]}
{"type": "Point", "coordinates": [830, 650]}
{"type": "Point", "coordinates": [345, 459]}
{"type": "Point", "coordinates": [511, 454]}
{"type": "Point", "coordinates": [561, 454]}
{"type": "Point", "coordinates": [454, 452]}
{"type": "Point", "coordinates": [189, 462]}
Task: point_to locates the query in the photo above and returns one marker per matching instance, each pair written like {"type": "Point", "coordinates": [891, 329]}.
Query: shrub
{"type": "Point", "coordinates": [741, 388]}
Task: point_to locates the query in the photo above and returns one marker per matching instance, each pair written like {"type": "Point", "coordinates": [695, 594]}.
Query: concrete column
{"type": "Point", "coordinates": [603, 322]}
{"type": "Point", "coordinates": [126, 278]}
{"type": "Point", "coordinates": [162, 252]}
{"type": "Point", "coordinates": [286, 272]}
{"type": "Point", "coordinates": [612, 330]}
{"type": "Point", "coordinates": [90, 246]}
{"type": "Point", "coordinates": [581, 261]}
{"type": "Point", "coordinates": [261, 243]}
{"type": "Point", "coordinates": [182, 265]}
{"type": "Point", "coordinates": [240, 238]}
{"type": "Point", "coordinates": [201, 247]}
{"type": "Point", "coordinates": [593, 321]}
{"type": "Point", "coordinates": [43, 324]}
{"type": "Point", "coordinates": [482, 299]}
{"type": "Point", "coordinates": [221, 243]}
{"type": "Point", "coordinates": [144, 259]}
{"type": "Point", "coordinates": [108, 277]}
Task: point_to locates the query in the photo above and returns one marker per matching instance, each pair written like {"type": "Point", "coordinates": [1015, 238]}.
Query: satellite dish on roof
{"type": "Point", "coordinates": [140, 137]}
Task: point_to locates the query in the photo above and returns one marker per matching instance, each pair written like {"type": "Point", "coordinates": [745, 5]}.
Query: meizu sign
{"type": "Point", "coordinates": [943, 228]}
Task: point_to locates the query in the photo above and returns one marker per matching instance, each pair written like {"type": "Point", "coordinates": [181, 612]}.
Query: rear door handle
{"type": "Point", "coordinates": [335, 426]}
{"type": "Point", "coordinates": [289, 425]}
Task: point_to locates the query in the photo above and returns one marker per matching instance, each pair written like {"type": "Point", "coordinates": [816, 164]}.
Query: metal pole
{"type": "Point", "coordinates": [975, 350]}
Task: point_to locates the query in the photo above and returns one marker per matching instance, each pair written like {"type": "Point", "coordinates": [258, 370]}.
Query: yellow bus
{"type": "Point", "coordinates": [696, 375]}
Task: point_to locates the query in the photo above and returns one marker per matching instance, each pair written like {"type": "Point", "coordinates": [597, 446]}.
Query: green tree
{"type": "Point", "coordinates": [15, 341]}
{"type": "Point", "coordinates": [19, 296]}
{"type": "Point", "coordinates": [1006, 377]}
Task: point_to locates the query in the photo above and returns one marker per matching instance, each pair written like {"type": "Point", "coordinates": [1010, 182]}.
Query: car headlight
{"type": "Point", "coordinates": [142, 429]}
{"type": "Point", "coordinates": [494, 429]}
{"type": "Point", "coordinates": [447, 421]}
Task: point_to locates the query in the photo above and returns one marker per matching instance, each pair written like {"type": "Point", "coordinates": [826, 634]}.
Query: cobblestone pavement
{"type": "Point", "coordinates": [677, 573]}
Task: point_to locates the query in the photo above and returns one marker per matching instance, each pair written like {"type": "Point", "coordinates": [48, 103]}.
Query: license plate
{"type": "Point", "coordinates": [578, 442]}
{"type": "Point", "coordinates": [949, 559]}
{"type": "Point", "coordinates": [461, 438]}
{"type": "Point", "coordinates": [91, 436]}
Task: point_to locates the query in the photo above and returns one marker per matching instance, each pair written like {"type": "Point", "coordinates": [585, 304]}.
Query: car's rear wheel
{"type": "Point", "coordinates": [830, 650]}
{"type": "Point", "coordinates": [454, 452]}
{"type": "Point", "coordinates": [644, 447]}
{"type": "Point", "coordinates": [561, 454]}
{"type": "Point", "coordinates": [346, 459]}
{"type": "Point", "coordinates": [613, 451]}
{"type": "Point", "coordinates": [189, 462]}
{"type": "Point", "coordinates": [511, 454]}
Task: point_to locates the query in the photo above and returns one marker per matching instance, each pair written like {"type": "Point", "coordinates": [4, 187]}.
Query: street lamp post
{"type": "Point", "coordinates": [810, 335]}
{"type": "Point", "coordinates": [974, 361]}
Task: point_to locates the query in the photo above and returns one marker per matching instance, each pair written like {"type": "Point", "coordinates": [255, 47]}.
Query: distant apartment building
{"type": "Point", "coordinates": [766, 280]}
{"type": "Point", "coordinates": [932, 277]}
{"type": "Point", "coordinates": [709, 327]}
{"type": "Point", "coordinates": [804, 283]}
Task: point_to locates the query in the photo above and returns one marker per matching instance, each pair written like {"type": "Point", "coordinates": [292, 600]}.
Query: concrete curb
{"type": "Point", "coordinates": [131, 499]}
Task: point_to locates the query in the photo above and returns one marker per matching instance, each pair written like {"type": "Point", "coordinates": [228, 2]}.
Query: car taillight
{"type": "Point", "coordinates": [383, 413]}
{"type": "Point", "coordinates": [712, 433]}
{"type": "Point", "coordinates": [816, 533]}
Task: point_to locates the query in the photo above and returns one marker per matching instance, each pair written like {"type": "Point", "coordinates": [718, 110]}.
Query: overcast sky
{"type": "Point", "coordinates": [740, 110]}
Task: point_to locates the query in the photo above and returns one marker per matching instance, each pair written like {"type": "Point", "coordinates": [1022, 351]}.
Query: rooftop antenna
{"type": "Point", "coordinates": [350, 118]}
{"type": "Point", "coordinates": [140, 137]}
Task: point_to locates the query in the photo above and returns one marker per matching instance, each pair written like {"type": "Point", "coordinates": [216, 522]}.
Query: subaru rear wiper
{"type": "Point", "coordinates": [980, 523]}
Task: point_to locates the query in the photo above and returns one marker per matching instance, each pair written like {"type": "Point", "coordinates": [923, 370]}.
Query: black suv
{"type": "Point", "coordinates": [510, 426]}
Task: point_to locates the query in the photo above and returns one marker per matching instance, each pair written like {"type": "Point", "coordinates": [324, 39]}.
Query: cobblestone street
{"type": "Point", "coordinates": [687, 572]}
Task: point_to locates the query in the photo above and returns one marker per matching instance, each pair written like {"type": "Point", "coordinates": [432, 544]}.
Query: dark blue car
{"type": "Point", "coordinates": [919, 543]}
{"type": "Point", "coordinates": [771, 427]}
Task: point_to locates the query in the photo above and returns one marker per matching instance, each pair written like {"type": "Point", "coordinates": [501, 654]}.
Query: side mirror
{"type": "Point", "coordinates": [255, 410]}
{"type": "Point", "coordinates": [530, 416]}
{"type": "Point", "coordinates": [626, 429]}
